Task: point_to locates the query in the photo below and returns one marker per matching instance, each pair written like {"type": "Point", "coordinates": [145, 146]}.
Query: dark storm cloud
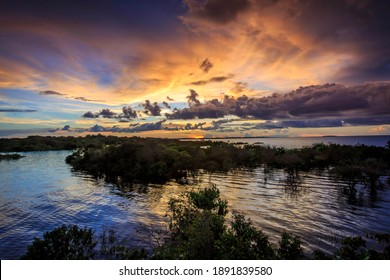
{"type": "Point", "coordinates": [211, 109]}
{"type": "Point", "coordinates": [370, 100]}
{"type": "Point", "coordinates": [142, 16]}
{"type": "Point", "coordinates": [104, 113]}
{"type": "Point", "coordinates": [358, 28]}
{"type": "Point", "coordinates": [12, 110]}
{"type": "Point", "coordinates": [218, 11]}
{"type": "Point", "coordinates": [107, 113]}
{"type": "Point", "coordinates": [127, 113]}
{"type": "Point", "coordinates": [151, 109]}
{"type": "Point", "coordinates": [366, 27]}
{"type": "Point", "coordinates": [89, 115]}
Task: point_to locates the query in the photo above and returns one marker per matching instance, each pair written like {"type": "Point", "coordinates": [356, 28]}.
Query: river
{"type": "Point", "coordinates": [40, 192]}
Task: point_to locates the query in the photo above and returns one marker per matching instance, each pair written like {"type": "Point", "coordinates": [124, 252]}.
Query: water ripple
{"type": "Point", "coordinates": [35, 199]}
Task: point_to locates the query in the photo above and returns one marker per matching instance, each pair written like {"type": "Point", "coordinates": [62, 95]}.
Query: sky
{"type": "Point", "coordinates": [195, 68]}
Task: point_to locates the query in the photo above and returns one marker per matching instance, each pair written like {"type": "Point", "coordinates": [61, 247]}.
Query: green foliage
{"type": "Point", "coordinates": [198, 230]}
{"type": "Point", "coordinates": [352, 248]}
{"type": "Point", "coordinates": [243, 241]}
{"type": "Point", "coordinates": [197, 222]}
{"type": "Point", "coordinates": [161, 160]}
{"type": "Point", "coordinates": [208, 199]}
{"type": "Point", "coordinates": [290, 247]}
{"type": "Point", "coordinates": [63, 243]}
{"type": "Point", "coordinates": [74, 243]}
{"type": "Point", "coordinates": [111, 248]}
{"type": "Point", "coordinates": [48, 143]}
{"type": "Point", "coordinates": [145, 160]}
{"type": "Point", "coordinates": [355, 248]}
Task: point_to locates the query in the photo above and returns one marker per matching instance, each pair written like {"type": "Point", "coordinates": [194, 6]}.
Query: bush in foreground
{"type": "Point", "coordinates": [198, 230]}
{"type": "Point", "coordinates": [63, 243]}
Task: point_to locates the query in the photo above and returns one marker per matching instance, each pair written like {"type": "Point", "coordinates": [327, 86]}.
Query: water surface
{"type": "Point", "coordinates": [40, 192]}
{"type": "Point", "coordinates": [298, 142]}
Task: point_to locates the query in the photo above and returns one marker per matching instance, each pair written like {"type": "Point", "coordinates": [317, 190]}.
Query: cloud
{"type": "Point", "coordinates": [383, 129]}
{"type": "Point", "coordinates": [239, 87]}
{"type": "Point", "coordinates": [370, 100]}
{"type": "Point", "coordinates": [146, 126]}
{"type": "Point", "coordinates": [87, 99]}
{"type": "Point", "coordinates": [187, 126]}
{"type": "Point", "coordinates": [104, 113]}
{"type": "Point", "coordinates": [109, 53]}
{"type": "Point", "coordinates": [98, 128]}
{"type": "Point", "coordinates": [217, 11]}
{"type": "Point", "coordinates": [193, 98]}
{"type": "Point", "coordinates": [217, 125]}
{"type": "Point", "coordinates": [107, 113]}
{"type": "Point", "coordinates": [166, 105]}
{"type": "Point", "coordinates": [65, 128]}
{"type": "Point", "coordinates": [128, 113]}
{"type": "Point", "coordinates": [89, 115]}
{"type": "Point", "coordinates": [131, 129]}
{"type": "Point", "coordinates": [206, 65]}
{"type": "Point", "coordinates": [11, 110]}
{"type": "Point", "coordinates": [199, 83]}
{"type": "Point", "coordinates": [151, 109]}
{"type": "Point", "coordinates": [217, 79]}
{"type": "Point", "coordinates": [51, 92]}
{"type": "Point", "coordinates": [287, 43]}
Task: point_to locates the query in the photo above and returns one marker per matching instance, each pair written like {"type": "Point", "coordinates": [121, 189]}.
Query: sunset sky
{"type": "Point", "coordinates": [195, 68]}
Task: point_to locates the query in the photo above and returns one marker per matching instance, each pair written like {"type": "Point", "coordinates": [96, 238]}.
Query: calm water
{"type": "Point", "coordinates": [298, 142]}
{"type": "Point", "coordinates": [40, 192]}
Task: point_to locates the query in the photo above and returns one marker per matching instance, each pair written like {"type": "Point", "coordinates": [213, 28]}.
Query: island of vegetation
{"type": "Point", "coordinates": [10, 156]}
{"type": "Point", "coordinates": [198, 228]}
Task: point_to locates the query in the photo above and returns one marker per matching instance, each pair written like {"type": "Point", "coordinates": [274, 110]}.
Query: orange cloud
{"type": "Point", "coordinates": [265, 45]}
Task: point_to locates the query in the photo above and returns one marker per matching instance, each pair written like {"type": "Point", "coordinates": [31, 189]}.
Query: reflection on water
{"type": "Point", "coordinates": [39, 192]}
{"type": "Point", "coordinates": [313, 207]}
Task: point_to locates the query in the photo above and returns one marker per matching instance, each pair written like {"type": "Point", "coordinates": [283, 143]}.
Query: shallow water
{"type": "Point", "coordinates": [298, 142]}
{"type": "Point", "coordinates": [40, 192]}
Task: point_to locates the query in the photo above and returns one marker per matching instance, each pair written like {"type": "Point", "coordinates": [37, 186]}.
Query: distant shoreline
{"type": "Point", "coordinates": [272, 137]}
